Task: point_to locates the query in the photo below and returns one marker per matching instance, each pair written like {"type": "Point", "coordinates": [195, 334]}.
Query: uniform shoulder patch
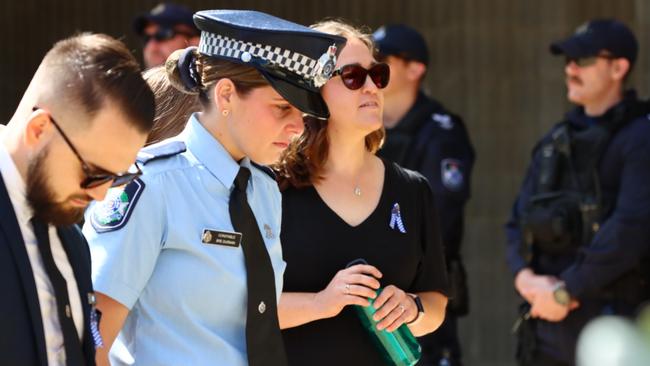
{"type": "Point", "coordinates": [160, 150]}
{"type": "Point", "coordinates": [114, 211]}
{"type": "Point", "coordinates": [444, 120]}
{"type": "Point", "coordinates": [452, 174]}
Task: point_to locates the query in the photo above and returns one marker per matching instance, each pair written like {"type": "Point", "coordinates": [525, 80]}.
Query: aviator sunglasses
{"type": "Point", "coordinates": [354, 75]}
{"type": "Point", "coordinates": [587, 61]}
{"type": "Point", "coordinates": [93, 180]}
{"type": "Point", "coordinates": [164, 34]}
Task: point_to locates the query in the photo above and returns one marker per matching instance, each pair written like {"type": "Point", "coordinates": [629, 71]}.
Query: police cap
{"type": "Point", "coordinates": [294, 59]}
{"type": "Point", "coordinates": [166, 15]}
{"type": "Point", "coordinates": [596, 36]}
{"type": "Point", "coordinates": [402, 41]}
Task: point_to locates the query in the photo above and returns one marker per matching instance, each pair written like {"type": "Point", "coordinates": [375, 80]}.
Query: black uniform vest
{"type": "Point", "coordinates": [567, 207]}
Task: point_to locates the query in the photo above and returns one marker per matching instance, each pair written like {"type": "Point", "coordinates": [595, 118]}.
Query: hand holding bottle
{"type": "Point", "coordinates": [397, 346]}
{"type": "Point", "coordinates": [394, 308]}
{"type": "Point", "coordinates": [351, 286]}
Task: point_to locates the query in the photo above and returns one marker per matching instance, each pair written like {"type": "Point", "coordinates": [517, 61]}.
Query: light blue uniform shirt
{"type": "Point", "coordinates": [187, 299]}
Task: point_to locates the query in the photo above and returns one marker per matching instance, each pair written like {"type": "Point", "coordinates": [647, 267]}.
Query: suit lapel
{"type": "Point", "coordinates": [78, 255]}
{"type": "Point", "coordinates": [14, 239]}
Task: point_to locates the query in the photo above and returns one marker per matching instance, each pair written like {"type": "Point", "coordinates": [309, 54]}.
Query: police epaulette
{"type": "Point", "coordinates": [265, 169]}
{"type": "Point", "coordinates": [159, 151]}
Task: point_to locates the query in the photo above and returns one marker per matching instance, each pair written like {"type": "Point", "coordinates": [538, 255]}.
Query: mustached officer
{"type": "Point", "coordinates": [578, 236]}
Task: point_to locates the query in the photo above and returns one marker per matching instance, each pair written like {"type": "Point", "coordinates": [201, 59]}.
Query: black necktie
{"type": "Point", "coordinates": [72, 345]}
{"type": "Point", "coordinates": [263, 339]}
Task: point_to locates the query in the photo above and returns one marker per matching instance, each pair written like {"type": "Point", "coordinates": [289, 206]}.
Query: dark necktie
{"type": "Point", "coordinates": [263, 339]}
{"type": "Point", "coordinates": [72, 345]}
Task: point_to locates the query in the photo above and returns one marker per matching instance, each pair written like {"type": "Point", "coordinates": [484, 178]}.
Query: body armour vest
{"type": "Point", "coordinates": [567, 207]}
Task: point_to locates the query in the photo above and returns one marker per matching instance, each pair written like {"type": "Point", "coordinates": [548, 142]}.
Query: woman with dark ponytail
{"type": "Point", "coordinates": [187, 262]}
{"type": "Point", "coordinates": [173, 107]}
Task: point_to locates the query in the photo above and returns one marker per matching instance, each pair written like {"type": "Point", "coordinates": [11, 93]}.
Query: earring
{"type": "Point", "coordinates": [225, 112]}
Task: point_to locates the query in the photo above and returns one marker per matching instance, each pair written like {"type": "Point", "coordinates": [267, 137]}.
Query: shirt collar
{"type": "Point", "coordinates": [211, 153]}
{"type": "Point", "coordinates": [15, 184]}
{"type": "Point", "coordinates": [578, 117]}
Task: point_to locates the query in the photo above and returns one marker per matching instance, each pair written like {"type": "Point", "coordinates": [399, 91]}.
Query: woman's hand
{"type": "Point", "coordinates": [350, 286]}
{"type": "Point", "coordinates": [113, 316]}
{"type": "Point", "coordinates": [394, 308]}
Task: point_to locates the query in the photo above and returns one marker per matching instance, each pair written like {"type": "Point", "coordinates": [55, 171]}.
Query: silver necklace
{"type": "Point", "coordinates": [357, 189]}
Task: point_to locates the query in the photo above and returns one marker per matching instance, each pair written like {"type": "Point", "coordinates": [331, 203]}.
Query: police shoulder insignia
{"type": "Point", "coordinates": [113, 212]}
{"type": "Point", "coordinates": [452, 174]}
{"type": "Point", "coordinates": [444, 121]}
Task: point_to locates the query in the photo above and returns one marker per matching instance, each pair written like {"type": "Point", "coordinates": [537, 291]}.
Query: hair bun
{"type": "Point", "coordinates": [181, 70]}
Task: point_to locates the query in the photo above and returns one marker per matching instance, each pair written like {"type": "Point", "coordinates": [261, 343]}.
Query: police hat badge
{"type": "Point", "coordinates": [325, 67]}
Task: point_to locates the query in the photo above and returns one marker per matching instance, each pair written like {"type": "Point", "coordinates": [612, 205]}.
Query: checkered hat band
{"type": "Point", "coordinates": [218, 45]}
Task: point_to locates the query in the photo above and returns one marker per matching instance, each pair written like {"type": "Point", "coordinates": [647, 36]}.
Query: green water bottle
{"type": "Point", "coordinates": [399, 348]}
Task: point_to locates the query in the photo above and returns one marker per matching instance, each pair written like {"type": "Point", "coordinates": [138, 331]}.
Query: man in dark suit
{"type": "Point", "coordinates": [76, 132]}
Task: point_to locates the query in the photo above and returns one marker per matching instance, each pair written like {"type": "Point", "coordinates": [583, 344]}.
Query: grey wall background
{"type": "Point", "coordinates": [489, 63]}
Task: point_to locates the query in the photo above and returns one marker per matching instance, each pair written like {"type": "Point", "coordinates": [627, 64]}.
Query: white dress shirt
{"type": "Point", "coordinates": [46, 297]}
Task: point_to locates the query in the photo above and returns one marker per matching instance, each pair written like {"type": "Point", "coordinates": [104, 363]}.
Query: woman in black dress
{"type": "Point", "coordinates": [340, 203]}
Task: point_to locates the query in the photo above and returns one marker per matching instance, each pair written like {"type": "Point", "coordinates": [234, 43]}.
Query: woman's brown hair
{"type": "Point", "coordinates": [302, 164]}
{"type": "Point", "coordinates": [173, 108]}
{"type": "Point", "coordinates": [181, 89]}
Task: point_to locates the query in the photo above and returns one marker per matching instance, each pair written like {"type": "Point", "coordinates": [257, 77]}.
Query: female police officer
{"type": "Point", "coordinates": [187, 259]}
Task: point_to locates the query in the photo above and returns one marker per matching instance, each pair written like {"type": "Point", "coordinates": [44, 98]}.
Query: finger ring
{"type": "Point", "coordinates": [347, 288]}
{"type": "Point", "coordinates": [401, 307]}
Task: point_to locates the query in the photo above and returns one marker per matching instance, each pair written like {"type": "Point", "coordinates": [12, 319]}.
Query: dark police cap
{"type": "Point", "coordinates": [402, 41]}
{"type": "Point", "coordinates": [295, 59]}
{"type": "Point", "coordinates": [596, 36]}
{"type": "Point", "coordinates": [166, 15]}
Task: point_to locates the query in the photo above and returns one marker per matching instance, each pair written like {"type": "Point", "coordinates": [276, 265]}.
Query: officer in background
{"type": "Point", "coordinates": [165, 29]}
{"type": "Point", "coordinates": [422, 135]}
{"type": "Point", "coordinates": [578, 236]}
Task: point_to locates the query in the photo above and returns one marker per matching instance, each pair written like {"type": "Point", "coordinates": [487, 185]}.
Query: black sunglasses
{"type": "Point", "coordinates": [165, 34]}
{"type": "Point", "coordinates": [94, 180]}
{"type": "Point", "coordinates": [354, 75]}
{"type": "Point", "coordinates": [587, 61]}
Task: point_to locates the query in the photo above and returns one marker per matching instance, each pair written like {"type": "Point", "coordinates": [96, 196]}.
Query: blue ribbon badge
{"type": "Point", "coordinates": [396, 219]}
{"type": "Point", "coordinates": [95, 316]}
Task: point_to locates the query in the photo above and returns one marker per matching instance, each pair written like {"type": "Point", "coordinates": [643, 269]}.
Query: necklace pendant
{"type": "Point", "coordinates": [357, 191]}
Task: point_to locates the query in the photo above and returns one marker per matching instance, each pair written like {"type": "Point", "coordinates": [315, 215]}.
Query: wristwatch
{"type": "Point", "coordinates": [418, 304]}
{"type": "Point", "coordinates": [561, 295]}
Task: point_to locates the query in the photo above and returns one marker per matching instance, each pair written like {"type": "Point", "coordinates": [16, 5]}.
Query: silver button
{"type": "Point", "coordinates": [595, 226]}
{"type": "Point", "coordinates": [68, 312]}
{"type": "Point", "coordinates": [246, 57]}
{"type": "Point", "coordinates": [92, 300]}
{"type": "Point", "coordinates": [261, 307]}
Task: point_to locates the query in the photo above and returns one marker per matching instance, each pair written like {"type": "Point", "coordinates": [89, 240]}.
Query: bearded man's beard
{"type": "Point", "coordinates": [42, 199]}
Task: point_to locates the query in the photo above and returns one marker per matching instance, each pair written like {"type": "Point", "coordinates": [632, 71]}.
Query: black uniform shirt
{"type": "Point", "coordinates": [435, 143]}
{"type": "Point", "coordinates": [622, 241]}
